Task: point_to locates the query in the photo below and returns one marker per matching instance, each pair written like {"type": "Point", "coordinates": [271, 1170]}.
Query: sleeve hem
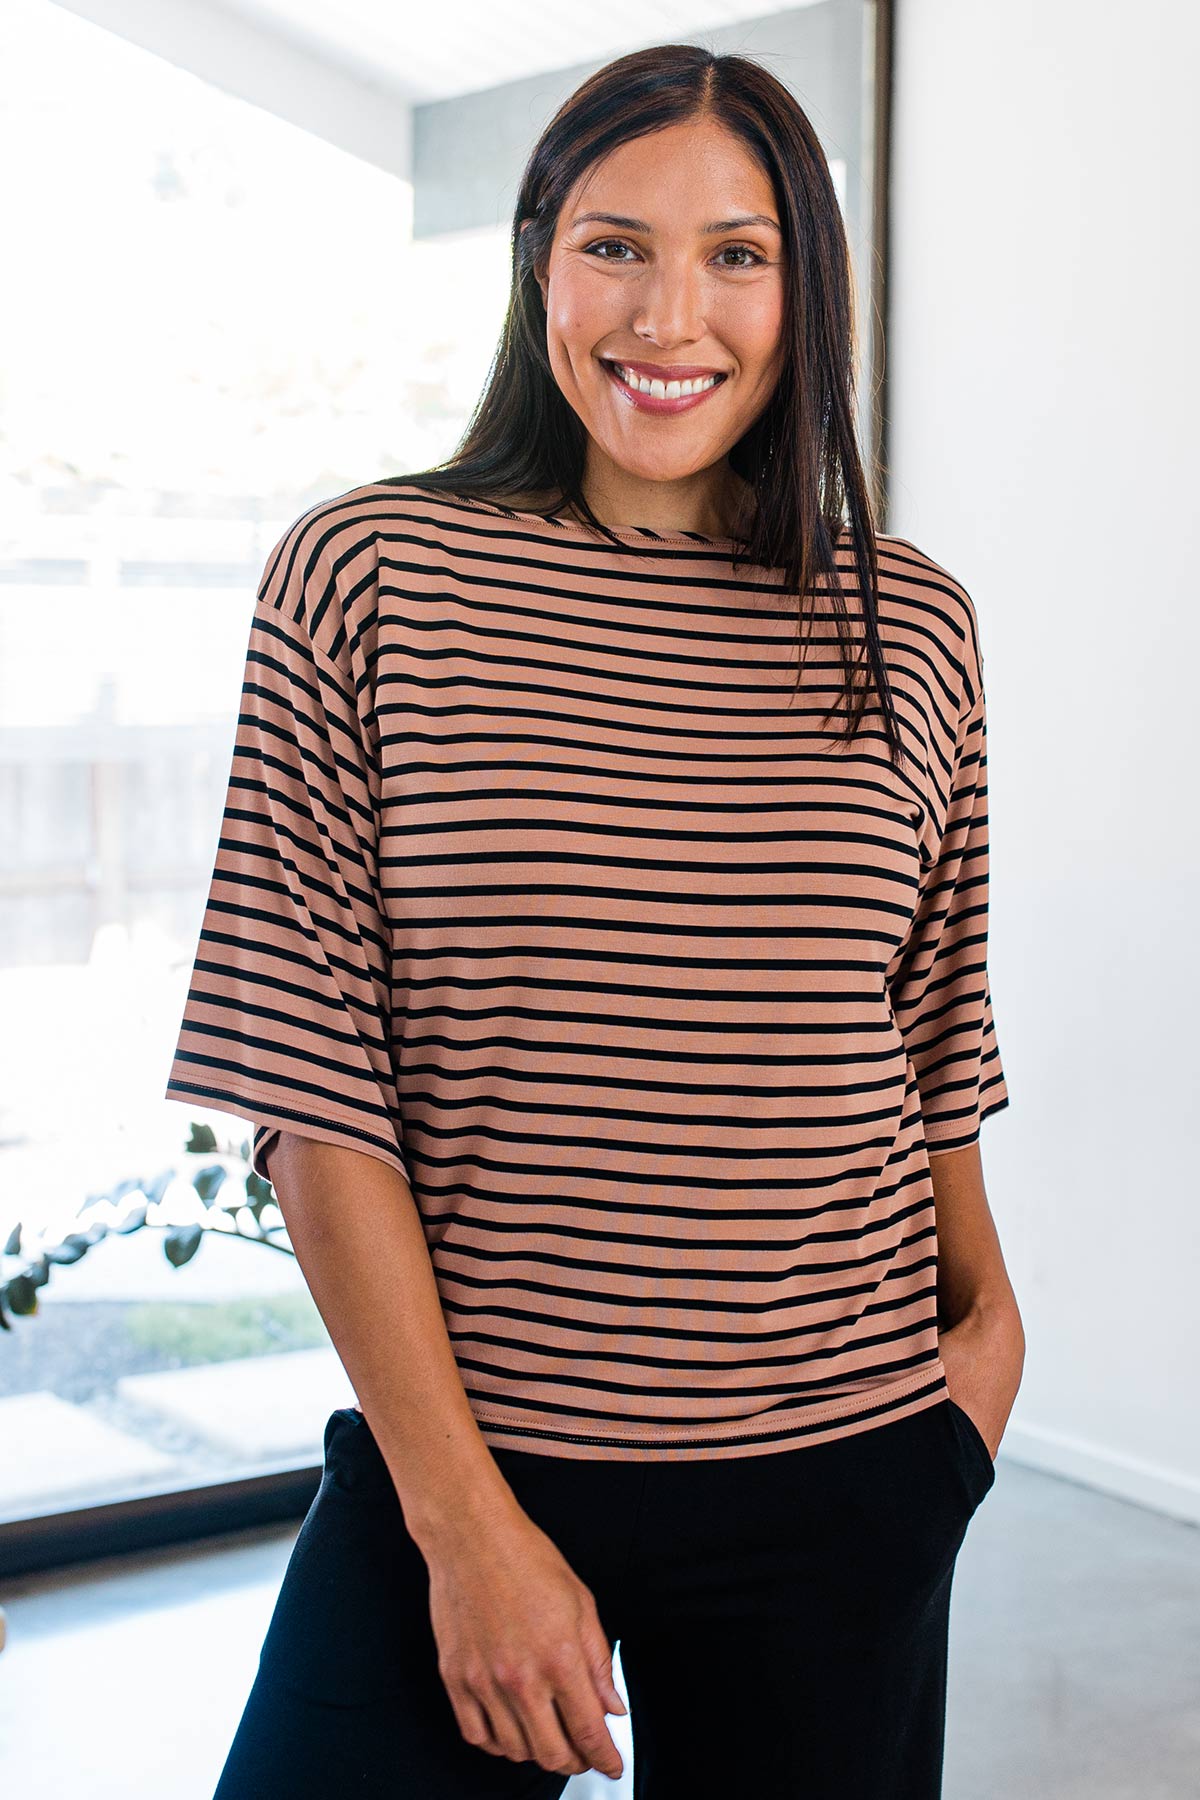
{"type": "Point", "coordinates": [956, 1134]}
{"type": "Point", "coordinates": [278, 1118]}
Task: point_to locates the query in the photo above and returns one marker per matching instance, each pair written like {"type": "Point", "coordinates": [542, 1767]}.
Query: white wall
{"type": "Point", "coordinates": [1045, 448]}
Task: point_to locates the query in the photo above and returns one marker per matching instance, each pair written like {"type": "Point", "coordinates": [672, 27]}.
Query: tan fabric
{"type": "Point", "coordinates": [537, 882]}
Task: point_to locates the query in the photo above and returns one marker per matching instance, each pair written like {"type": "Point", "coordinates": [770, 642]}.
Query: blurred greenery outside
{"type": "Point", "coordinates": [79, 1349]}
{"type": "Point", "coordinates": [221, 1330]}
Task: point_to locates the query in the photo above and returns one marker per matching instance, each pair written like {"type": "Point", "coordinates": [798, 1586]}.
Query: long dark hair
{"type": "Point", "coordinates": [800, 457]}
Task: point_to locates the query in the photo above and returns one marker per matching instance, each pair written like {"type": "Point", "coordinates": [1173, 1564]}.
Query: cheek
{"type": "Point", "coordinates": [577, 311]}
{"type": "Point", "coordinates": [751, 324]}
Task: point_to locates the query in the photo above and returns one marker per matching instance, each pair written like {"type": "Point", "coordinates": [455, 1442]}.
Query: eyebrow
{"type": "Point", "coordinates": [717, 225]}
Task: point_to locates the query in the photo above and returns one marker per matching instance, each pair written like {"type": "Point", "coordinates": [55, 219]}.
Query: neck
{"type": "Point", "coordinates": [714, 506]}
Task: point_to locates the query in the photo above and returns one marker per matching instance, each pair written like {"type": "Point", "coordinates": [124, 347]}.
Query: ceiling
{"type": "Point", "coordinates": [462, 46]}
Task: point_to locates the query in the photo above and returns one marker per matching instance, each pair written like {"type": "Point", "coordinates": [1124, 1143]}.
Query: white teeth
{"type": "Point", "coordinates": [665, 390]}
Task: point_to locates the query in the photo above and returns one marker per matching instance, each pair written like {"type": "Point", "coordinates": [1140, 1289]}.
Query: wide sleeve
{"type": "Point", "coordinates": [286, 1022]}
{"type": "Point", "coordinates": [938, 981]}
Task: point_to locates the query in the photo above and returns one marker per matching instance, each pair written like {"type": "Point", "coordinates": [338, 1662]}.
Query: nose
{"type": "Point", "coordinates": [670, 306]}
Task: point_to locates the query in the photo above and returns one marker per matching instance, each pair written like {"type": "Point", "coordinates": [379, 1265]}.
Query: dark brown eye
{"type": "Point", "coordinates": [747, 249]}
{"type": "Point", "coordinates": [604, 243]}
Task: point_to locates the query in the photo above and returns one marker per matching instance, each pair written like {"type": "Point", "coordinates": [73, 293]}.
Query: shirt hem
{"type": "Point", "coordinates": [794, 1428]}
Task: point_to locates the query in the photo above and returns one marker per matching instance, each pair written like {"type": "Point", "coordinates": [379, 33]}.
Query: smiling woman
{"type": "Point", "coordinates": [556, 933]}
{"type": "Point", "coordinates": [676, 297]}
{"type": "Point", "coordinates": [677, 221]}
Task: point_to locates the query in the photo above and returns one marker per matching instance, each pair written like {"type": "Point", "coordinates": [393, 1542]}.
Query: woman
{"type": "Point", "coordinates": [607, 985]}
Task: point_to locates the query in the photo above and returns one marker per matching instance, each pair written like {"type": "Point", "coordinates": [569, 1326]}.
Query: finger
{"type": "Point", "coordinates": [506, 1729]}
{"type": "Point", "coordinates": [583, 1715]}
{"type": "Point", "coordinates": [598, 1652]}
{"type": "Point", "coordinates": [473, 1722]}
{"type": "Point", "coordinates": [544, 1730]}
{"type": "Point", "coordinates": [477, 1723]}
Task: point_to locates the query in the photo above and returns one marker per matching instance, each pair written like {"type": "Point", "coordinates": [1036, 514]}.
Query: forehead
{"type": "Point", "coordinates": [689, 175]}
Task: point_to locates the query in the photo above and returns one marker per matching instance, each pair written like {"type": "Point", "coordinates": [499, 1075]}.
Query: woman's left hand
{"type": "Point", "coordinates": [983, 1356]}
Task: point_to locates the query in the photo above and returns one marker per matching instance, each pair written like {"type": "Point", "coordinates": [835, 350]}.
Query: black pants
{"type": "Point", "coordinates": [782, 1621]}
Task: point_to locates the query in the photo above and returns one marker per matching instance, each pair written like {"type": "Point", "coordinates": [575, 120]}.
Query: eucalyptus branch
{"type": "Point", "coordinates": [215, 1190]}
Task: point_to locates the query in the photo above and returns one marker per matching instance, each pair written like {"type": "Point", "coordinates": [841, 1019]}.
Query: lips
{"type": "Point", "coordinates": [664, 371]}
{"type": "Point", "coordinates": [662, 403]}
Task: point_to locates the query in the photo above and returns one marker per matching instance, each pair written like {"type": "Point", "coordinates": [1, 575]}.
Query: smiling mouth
{"type": "Point", "coordinates": [658, 393]}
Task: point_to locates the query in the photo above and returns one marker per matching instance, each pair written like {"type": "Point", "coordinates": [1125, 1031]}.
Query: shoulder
{"type": "Point", "coordinates": [321, 574]}
{"type": "Point", "coordinates": [922, 597]}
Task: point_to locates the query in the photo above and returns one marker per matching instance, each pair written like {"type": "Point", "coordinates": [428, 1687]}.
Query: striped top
{"type": "Point", "coordinates": [539, 881]}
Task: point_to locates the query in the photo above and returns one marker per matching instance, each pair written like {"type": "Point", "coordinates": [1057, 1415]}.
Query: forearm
{"type": "Point", "coordinates": [358, 1237]}
{"type": "Point", "coordinates": [972, 1277]}
{"type": "Point", "coordinates": [980, 1334]}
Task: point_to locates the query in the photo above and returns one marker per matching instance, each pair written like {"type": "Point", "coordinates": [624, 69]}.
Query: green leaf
{"type": "Point", "coordinates": [154, 1190]}
{"type": "Point", "coordinates": [71, 1248]}
{"type": "Point", "coordinates": [22, 1296]}
{"type": "Point", "coordinates": [258, 1189]}
{"type": "Point", "coordinates": [182, 1243]}
{"type": "Point", "coordinates": [209, 1181]}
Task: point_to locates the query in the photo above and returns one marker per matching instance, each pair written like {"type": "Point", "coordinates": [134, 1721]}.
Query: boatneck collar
{"type": "Point", "coordinates": [650, 535]}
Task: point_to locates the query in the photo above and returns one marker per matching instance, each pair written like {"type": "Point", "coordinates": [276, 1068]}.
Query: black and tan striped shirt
{"type": "Point", "coordinates": [538, 881]}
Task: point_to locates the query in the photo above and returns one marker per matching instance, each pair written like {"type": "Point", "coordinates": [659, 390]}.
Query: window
{"type": "Point", "coordinates": [230, 304]}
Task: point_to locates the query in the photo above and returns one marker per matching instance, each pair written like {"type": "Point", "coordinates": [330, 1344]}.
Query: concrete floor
{"type": "Point", "coordinates": [1075, 1660]}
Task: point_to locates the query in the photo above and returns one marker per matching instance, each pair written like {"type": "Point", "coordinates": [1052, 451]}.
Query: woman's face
{"type": "Point", "coordinates": [682, 277]}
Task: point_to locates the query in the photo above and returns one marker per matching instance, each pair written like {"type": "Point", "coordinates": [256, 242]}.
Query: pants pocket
{"type": "Point", "coordinates": [351, 1620]}
{"type": "Point", "coordinates": [353, 1460]}
{"type": "Point", "coordinates": [974, 1446]}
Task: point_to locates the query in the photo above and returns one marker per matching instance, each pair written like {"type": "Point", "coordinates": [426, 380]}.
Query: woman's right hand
{"type": "Point", "coordinates": [521, 1650]}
